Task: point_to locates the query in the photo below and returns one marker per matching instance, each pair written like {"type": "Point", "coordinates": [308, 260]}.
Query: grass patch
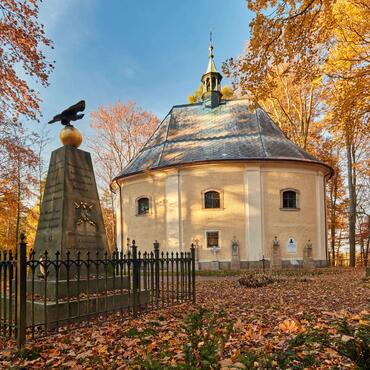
{"type": "Point", "coordinates": [29, 354]}
{"type": "Point", "coordinates": [355, 342]}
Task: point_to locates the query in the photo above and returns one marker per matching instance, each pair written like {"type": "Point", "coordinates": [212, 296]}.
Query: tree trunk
{"type": "Point", "coordinates": [18, 204]}
{"type": "Point", "coordinates": [366, 254]}
{"type": "Point", "coordinates": [332, 245]}
{"type": "Point", "coordinates": [351, 208]}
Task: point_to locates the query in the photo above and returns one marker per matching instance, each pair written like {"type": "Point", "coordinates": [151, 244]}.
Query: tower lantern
{"type": "Point", "coordinates": [211, 81]}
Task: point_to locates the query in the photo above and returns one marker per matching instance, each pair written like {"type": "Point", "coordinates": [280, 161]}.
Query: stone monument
{"type": "Point", "coordinates": [276, 255]}
{"type": "Point", "coordinates": [308, 262]}
{"type": "Point", "coordinates": [71, 221]}
{"type": "Point", "coordinates": [71, 217]}
{"type": "Point", "coordinates": [235, 257]}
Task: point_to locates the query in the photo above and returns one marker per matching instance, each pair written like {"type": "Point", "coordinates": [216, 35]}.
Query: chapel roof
{"type": "Point", "coordinates": [196, 133]}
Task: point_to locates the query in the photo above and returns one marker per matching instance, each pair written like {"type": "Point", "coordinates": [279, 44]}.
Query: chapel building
{"type": "Point", "coordinates": [217, 174]}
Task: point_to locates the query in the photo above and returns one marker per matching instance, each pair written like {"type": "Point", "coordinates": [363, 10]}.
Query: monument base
{"type": "Point", "coordinates": [63, 288]}
{"type": "Point", "coordinates": [235, 264]}
{"type": "Point", "coordinates": [308, 264]}
{"type": "Point", "coordinates": [276, 265]}
{"type": "Point", "coordinates": [215, 265]}
{"type": "Point", "coordinates": [58, 314]}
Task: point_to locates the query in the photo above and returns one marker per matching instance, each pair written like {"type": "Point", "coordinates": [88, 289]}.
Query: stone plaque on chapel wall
{"type": "Point", "coordinates": [71, 217]}
{"type": "Point", "coordinates": [291, 246]}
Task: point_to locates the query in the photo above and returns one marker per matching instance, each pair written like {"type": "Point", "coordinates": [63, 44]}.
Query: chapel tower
{"type": "Point", "coordinates": [211, 81]}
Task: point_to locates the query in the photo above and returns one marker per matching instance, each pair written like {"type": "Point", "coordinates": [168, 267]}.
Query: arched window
{"type": "Point", "coordinates": [289, 199]}
{"type": "Point", "coordinates": [143, 206]}
{"type": "Point", "coordinates": [212, 199]}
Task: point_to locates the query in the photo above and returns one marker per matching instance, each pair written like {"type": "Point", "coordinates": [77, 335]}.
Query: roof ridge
{"type": "Point", "coordinates": [186, 105]}
{"type": "Point", "coordinates": [259, 132]}
{"type": "Point", "coordinates": [165, 139]}
{"type": "Point", "coordinates": [144, 147]}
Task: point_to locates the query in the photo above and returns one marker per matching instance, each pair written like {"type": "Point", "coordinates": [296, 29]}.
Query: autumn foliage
{"type": "Point", "coordinates": [307, 64]}
{"type": "Point", "coordinates": [21, 41]}
{"type": "Point", "coordinates": [22, 46]}
{"type": "Point", "coordinates": [120, 131]}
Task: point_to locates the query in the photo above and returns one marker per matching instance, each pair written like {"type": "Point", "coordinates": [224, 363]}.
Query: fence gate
{"type": "Point", "coordinates": [39, 294]}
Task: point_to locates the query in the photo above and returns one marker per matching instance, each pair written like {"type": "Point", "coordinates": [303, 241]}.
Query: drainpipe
{"type": "Point", "coordinates": [121, 214]}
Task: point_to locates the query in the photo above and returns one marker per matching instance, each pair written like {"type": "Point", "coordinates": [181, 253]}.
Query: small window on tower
{"type": "Point", "coordinates": [289, 199]}
{"type": "Point", "coordinates": [143, 206]}
{"type": "Point", "coordinates": [212, 199]}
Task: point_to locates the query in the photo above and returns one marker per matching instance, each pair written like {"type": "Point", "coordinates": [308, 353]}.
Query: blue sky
{"type": "Point", "coordinates": [150, 51]}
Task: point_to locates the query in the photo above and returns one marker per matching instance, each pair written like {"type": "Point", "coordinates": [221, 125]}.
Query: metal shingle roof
{"type": "Point", "coordinates": [196, 133]}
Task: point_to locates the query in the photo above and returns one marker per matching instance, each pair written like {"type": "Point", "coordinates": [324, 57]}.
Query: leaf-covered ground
{"type": "Point", "coordinates": [298, 321]}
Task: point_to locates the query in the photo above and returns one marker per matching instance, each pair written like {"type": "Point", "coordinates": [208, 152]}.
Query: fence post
{"type": "Point", "coordinates": [21, 292]}
{"type": "Point", "coordinates": [192, 250]}
{"type": "Point", "coordinates": [135, 277]}
{"type": "Point", "coordinates": [156, 261]}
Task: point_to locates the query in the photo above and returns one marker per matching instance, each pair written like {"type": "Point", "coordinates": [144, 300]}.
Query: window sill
{"type": "Point", "coordinates": [290, 209]}
{"type": "Point", "coordinates": [142, 214]}
{"type": "Point", "coordinates": [213, 209]}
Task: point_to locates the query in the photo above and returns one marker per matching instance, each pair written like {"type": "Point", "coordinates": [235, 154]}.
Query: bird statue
{"type": "Point", "coordinates": [70, 114]}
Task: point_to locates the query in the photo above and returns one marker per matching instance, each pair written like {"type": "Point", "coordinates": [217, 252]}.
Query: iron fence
{"type": "Point", "coordinates": [39, 294]}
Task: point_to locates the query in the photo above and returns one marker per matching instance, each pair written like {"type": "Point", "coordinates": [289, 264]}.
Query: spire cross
{"type": "Point", "coordinates": [210, 45]}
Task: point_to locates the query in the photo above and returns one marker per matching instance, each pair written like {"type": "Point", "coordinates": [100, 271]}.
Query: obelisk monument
{"type": "Point", "coordinates": [71, 217]}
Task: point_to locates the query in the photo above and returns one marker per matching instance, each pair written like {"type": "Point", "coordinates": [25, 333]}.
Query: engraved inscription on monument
{"type": "Point", "coordinates": [71, 217]}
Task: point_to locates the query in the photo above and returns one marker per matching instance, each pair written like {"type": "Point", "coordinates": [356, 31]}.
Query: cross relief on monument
{"type": "Point", "coordinates": [84, 222]}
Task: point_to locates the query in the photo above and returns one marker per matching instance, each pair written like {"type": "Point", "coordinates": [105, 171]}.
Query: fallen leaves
{"type": "Point", "coordinates": [261, 324]}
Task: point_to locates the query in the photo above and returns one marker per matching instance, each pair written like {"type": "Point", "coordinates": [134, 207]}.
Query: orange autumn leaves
{"type": "Point", "coordinates": [22, 46]}
{"type": "Point", "coordinates": [251, 332]}
{"type": "Point", "coordinates": [21, 40]}
{"type": "Point", "coordinates": [120, 131]}
{"type": "Point", "coordinates": [307, 63]}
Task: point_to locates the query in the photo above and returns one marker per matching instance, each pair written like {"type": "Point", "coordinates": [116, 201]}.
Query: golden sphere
{"type": "Point", "coordinates": [70, 136]}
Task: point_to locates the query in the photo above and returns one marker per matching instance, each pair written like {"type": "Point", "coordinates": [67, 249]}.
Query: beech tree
{"type": "Point", "coordinates": [313, 55]}
{"type": "Point", "coordinates": [17, 179]}
{"type": "Point", "coordinates": [120, 131]}
{"type": "Point", "coordinates": [331, 153]}
{"type": "Point", "coordinates": [22, 38]}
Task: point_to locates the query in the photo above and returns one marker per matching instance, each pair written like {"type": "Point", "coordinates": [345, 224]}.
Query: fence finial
{"type": "Point", "coordinates": [156, 245]}
{"type": "Point", "coordinates": [23, 237]}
